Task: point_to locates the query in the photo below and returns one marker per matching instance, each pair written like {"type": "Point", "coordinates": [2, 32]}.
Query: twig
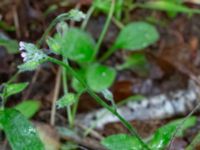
{"type": "Point", "coordinates": [117, 23]}
{"type": "Point", "coordinates": [92, 132]}
{"type": "Point", "coordinates": [55, 97]}
{"type": "Point", "coordinates": [87, 142]}
{"type": "Point", "coordinates": [16, 21]}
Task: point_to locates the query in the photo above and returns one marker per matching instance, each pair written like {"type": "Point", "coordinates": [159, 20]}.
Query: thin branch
{"type": "Point", "coordinates": [55, 97]}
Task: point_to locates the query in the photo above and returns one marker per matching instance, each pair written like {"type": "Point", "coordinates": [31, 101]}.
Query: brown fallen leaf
{"type": "Point", "coordinates": [192, 1]}
{"type": "Point", "coordinates": [48, 135]}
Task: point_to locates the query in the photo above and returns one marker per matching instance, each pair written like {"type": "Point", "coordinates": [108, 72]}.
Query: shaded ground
{"type": "Point", "coordinates": [173, 59]}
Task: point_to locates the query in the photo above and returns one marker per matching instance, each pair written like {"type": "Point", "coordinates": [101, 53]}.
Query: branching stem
{"type": "Point", "coordinates": [99, 100]}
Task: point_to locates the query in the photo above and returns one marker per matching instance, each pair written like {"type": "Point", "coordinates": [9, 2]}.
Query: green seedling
{"type": "Point", "coordinates": [158, 141]}
{"type": "Point", "coordinates": [14, 121]}
{"type": "Point", "coordinates": [76, 45]}
{"type": "Point", "coordinates": [90, 75]}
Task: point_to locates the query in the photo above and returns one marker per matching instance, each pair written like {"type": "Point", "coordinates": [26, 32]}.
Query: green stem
{"type": "Point", "coordinates": [117, 23]}
{"type": "Point", "coordinates": [75, 106]}
{"type": "Point", "coordinates": [99, 100]}
{"type": "Point", "coordinates": [65, 90]}
{"type": "Point", "coordinates": [105, 28]}
{"type": "Point", "coordinates": [107, 54]}
{"type": "Point", "coordinates": [62, 17]}
{"type": "Point", "coordinates": [88, 15]}
{"type": "Point", "coordinates": [13, 77]}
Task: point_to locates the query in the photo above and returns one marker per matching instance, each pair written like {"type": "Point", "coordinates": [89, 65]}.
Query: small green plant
{"type": "Point", "coordinates": [90, 74]}
{"type": "Point", "coordinates": [158, 141]}
{"type": "Point", "coordinates": [14, 121]}
{"type": "Point", "coordinates": [76, 45]}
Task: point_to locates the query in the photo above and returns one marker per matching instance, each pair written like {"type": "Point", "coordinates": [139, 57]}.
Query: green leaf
{"type": "Point", "coordinates": [11, 89]}
{"type": "Point", "coordinates": [194, 142]}
{"type": "Point", "coordinates": [10, 45]}
{"type": "Point", "coordinates": [28, 66]}
{"type": "Point", "coordinates": [78, 46]}
{"type": "Point", "coordinates": [55, 43]}
{"type": "Point", "coordinates": [122, 142]}
{"type": "Point", "coordinates": [66, 100]}
{"type": "Point", "coordinates": [104, 5]}
{"type": "Point", "coordinates": [136, 36]}
{"type": "Point", "coordinates": [161, 138]}
{"type": "Point", "coordinates": [169, 7]}
{"type": "Point", "coordinates": [136, 62]}
{"type": "Point", "coordinates": [28, 108]}
{"type": "Point", "coordinates": [19, 131]}
{"type": "Point", "coordinates": [100, 77]}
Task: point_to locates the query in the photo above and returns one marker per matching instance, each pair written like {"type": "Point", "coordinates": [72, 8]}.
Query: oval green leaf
{"type": "Point", "coordinates": [11, 89]}
{"type": "Point", "coordinates": [136, 36]}
{"type": "Point", "coordinates": [100, 77]}
{"type": "Point", "coordinates": [161, 138]}
{"type": "Point", "coordinates": [122, 142]}
{"type": "Point", "coordinates": [19, 131]}
{"type": "Point", "coordinates": [28, 108]}
{"type": "Point", "coordinates": [66, 100]}
{"type": "Point", "coordinates": [78, 46]}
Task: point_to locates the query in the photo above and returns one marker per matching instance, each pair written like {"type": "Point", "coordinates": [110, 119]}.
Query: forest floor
{"type": "Point", "coordinates": [173, 60]}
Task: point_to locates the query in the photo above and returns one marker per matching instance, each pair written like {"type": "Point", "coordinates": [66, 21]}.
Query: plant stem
{"type": "Point", "coordinates": [13, 77]}
{"type": "Point", "coordinates": [107, 54]}
{"type": "Point", "coordinates": [75, 106]}
{"type": "Point", "coordinates": [105, 28]}
{"type": "Point", "coordinates": [62, 17]}
{"type": "Point", "coordinates": [88, 15]}
{"type": "Point", "coordinates": [65, 90]}
{"type": "Point", "coordinates": [99, 100]}
{"type": "Point", "coordinates": [117, 23]}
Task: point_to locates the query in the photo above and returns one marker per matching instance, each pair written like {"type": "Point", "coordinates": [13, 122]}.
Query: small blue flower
{"type": "Point", "coordinates": [32, 56]}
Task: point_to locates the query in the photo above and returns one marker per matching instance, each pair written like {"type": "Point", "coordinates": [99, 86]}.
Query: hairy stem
{"type": "Point", "coordinates": [62, 17]}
